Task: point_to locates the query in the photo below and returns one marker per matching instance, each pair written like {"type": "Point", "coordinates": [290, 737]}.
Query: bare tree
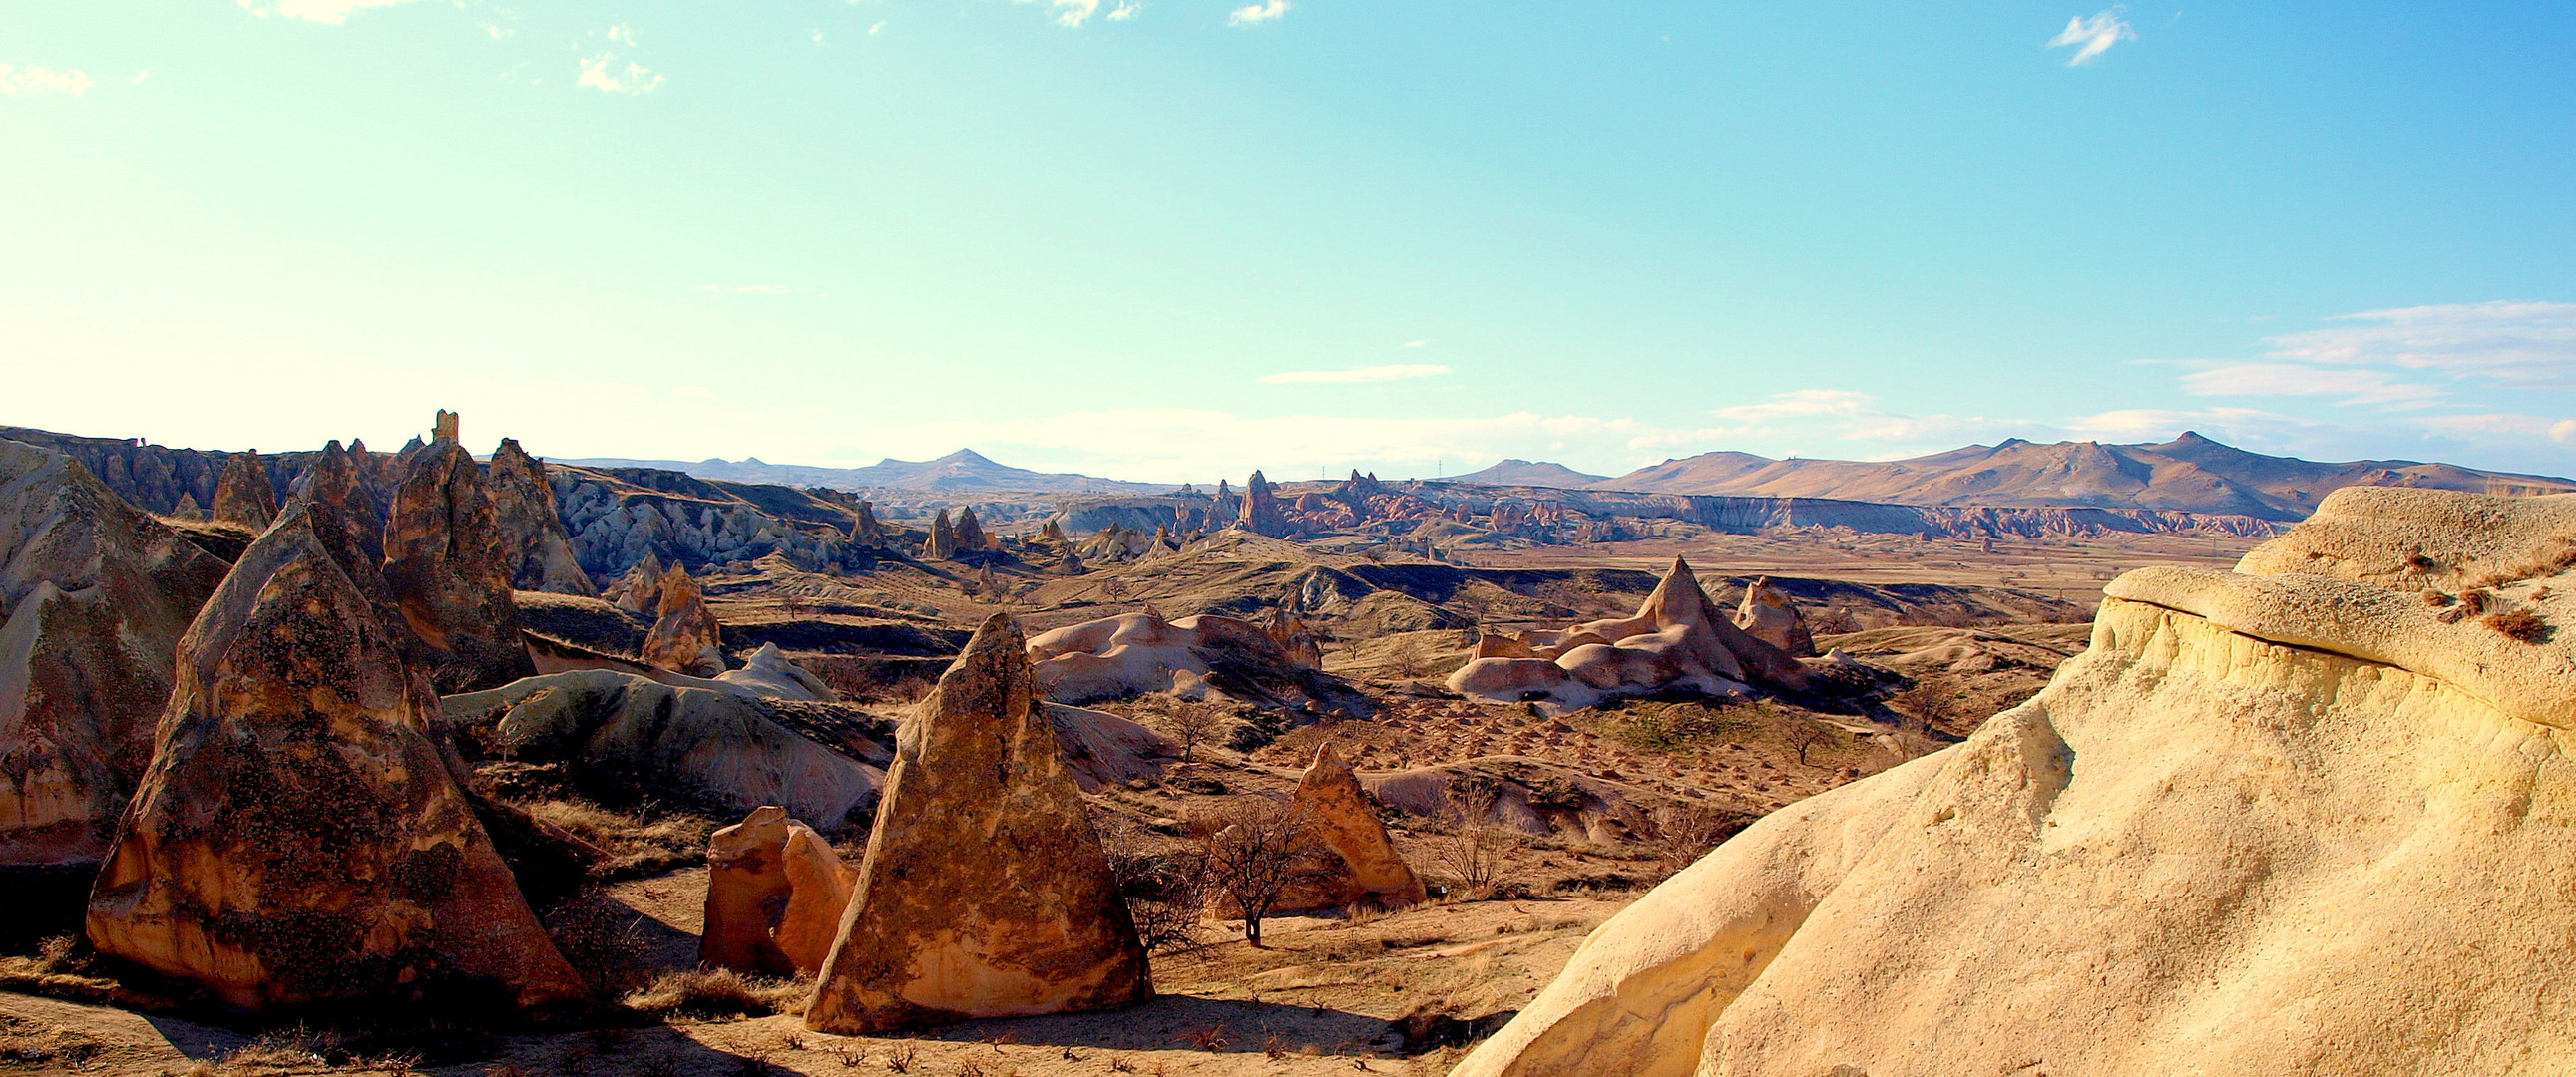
{"type": "Point", "coordinates": [1808, 735]}
{"type": "Point", "coordinates": [1255, 848]}
{"type": "Point", "coordinates": [1472, 851]}
{"type": "Point", "coordinates": [1686, 834]}
{"type": "Point", "coordinates": [1930, 701]}
{"type": "Point", "coordinates": [1193, 722]}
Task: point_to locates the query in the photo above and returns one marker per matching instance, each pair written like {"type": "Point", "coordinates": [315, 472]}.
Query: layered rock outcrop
{"type": "Point", "coordinates": [446, 561]}
{"type": "Point", "coordinates": [539, 555]}
{"type": "Point", "coordinates": [768, 672]}
{"type": "Point", "coordinates": [685, 637]}
{"type": "Point", "coordinates": [639, 591]}
{"type": "Point", "coordinates": [2285, 819]}
{"type": "Point", "coordinates": [1767, 614]}
{"type": "Point", "coordinates": [94, 596]}
{"type": "Point", "coordinates": [299, 838]}
{"type": "Point", "coordinates": [775, 895]}
{"type": "Point", "coordinates": [1677, 639]}
{"type": "Point", "coordinates": [985, 891]}
{"type": "Point", "coordinates": [1364, 869]}
{"type": "Point", "coordinates": [244, 495]}
{"type": "Point", "coordinates": [1208, 656]}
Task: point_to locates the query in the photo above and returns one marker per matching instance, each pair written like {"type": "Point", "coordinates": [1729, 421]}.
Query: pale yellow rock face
{"type": "Point", "coordinates": [2199, 851]}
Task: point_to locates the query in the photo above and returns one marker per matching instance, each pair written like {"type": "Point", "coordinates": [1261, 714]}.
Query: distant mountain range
{"type": "Point", "coordinates": [1527, 473]}
{"type": "Point", "coordinates": [2190, 473]}
{"type": "Point", "coordinates": [960, 471]}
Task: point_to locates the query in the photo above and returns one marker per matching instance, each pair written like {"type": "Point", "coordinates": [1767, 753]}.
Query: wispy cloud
{"type": "Point", "coordinates": [2093, 36]}
{"type": "Point", "coordinates": [1071, 12]}
{"type": "Point", "coordinates": [1397, 372]}
{"type": "Point", "coordinates": [1804, 403]}
{"type": "Point", "coordinates": [333, 12]}
{"type": "Point", "coordinates": [1416, 343]}
{"type": "Point", "coordinates": [2518, 343]}
{"type": "Point", "coordinates": [1126, 9]}
{"type": "Point", "coordinates": [2361, 387]}
{"type": "Point", "coordinates": [622, 34]}
{"type": "Point", "coordinates": [598, 73]}
{"type": "Point", "coordinates": [33, 81]}
{"type": "Point", "coordinates": [1256, 14]}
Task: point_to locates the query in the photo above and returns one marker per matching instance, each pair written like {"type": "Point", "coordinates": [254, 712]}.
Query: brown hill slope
{"type": "Point", "coordinates": [2189, 473]}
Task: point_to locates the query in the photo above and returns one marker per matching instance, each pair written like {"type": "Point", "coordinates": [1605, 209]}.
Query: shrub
{"type": "Point", "coordinates": [2522, 625]}
{"type": "Point", "coordinates": [706, 993]}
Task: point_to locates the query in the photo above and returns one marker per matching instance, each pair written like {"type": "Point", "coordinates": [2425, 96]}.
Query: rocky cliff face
{"type": "Point", "coordinates": [446, 561]}
{"type": "Point", "coordinates": [2296, 818]}
{"type": "Point", "coordinates": [539, 555]}
{"type": "Point", "coordinates": [94, 596]}
{"type": "Point", "coordinates": [298, 838]}
{"type": "Point", "coordinates": [245, 495]}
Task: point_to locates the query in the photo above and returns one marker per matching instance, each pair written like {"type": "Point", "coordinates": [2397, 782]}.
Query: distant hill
{"type": "Point", "coordinates": [964, 469]}
{"type": "Point", "coordinates": [1529, 473]}
{"type": "Point", "coordinates": [2190, 473]}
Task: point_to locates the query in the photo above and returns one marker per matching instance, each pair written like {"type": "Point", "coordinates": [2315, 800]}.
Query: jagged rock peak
{"type": "Point", "coordinates": [539, 553]}
{"type": "Point", "coordinates": [685, 637]}
{"type": "Point", "coordinates": [244, 494]}
{"type": "Point", "coordinates": [935, 933]}
{"type": "Point", "coordinates": [298, 837]}
{"type": "Point", "coordinates": [446, 561]}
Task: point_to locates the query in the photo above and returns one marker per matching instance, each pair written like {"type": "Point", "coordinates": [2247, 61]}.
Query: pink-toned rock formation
{"type": "Point", "coordinates": [970, 531]}
{"type": "Point", "coordinates": [775, 896]}
{"type": "Point", "coordinates": [864, 528]}
{"type": "Point", "coordinates": [539, 555]}
{"type": "Point", "coordinates": [685, 638]}
{"type": "Point", "coordinates": [942, 543]}
{"type": "Point", "coordinates": [298, 837]}
{"type": "Point", "coordinates": [985, 892]}
{"type": "Point", "coordinates": [244, 495]}
{"type": "Point", "coordinates": [1364, 868]}
{"type": "Point", "coordinates": [1768, 615]}
{"type": "Point", "coordinates": [639, 591]}
{"type": "Point", "coordinates": [1262, 514]}
{"type": "Point", "coordinates": [94, 595]}
{"type": "Point", "coordinates": [1677, 639]}
{"type": "Point", "coordinates": [447, 562]}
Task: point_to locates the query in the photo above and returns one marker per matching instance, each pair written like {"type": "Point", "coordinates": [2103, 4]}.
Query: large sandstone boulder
{"type": "Point", "coordinates": [775, 895]}
{"type": "Point", "coordinates": [446, 561]}
{"type": "Point", "coordinates": [1208, 656]}
{"type": "Point", "coordinates": [299, 838]}
{"type": "Point", "coordinates": [985, 892]}
{"type": "Point", "coordinates": [540, 557]}
{"type": "Point", "coordinates": [1364, 868]}
{"type": "Point", "coordinates": [685, 637]}
{"type": "Point", "coordinates": [1768, 615]}
{"type": "Point", "coordinates": [769, 672]}
{"type": "Point", "coordinates": [244, 495]}
{"type": "Point", "coordinates": [94, 595]}
{"type": "Point", "coordinates": [714, 741]}
{"type": "Point", "coordinates": [1677, 640]}
{"type": "Point", "coordinates": [2275, 820]}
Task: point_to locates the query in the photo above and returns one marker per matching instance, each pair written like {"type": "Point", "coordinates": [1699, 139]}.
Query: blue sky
{"type": "Point", "coordinates": [1179, 239]}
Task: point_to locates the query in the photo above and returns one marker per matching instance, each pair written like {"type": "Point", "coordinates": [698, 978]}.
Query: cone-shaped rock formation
{"type": "Point", "coordinates": [942, 543]}
{"type": "Point", "coordinates": [1261, 512]}
{"type": "Point", "coordinates": [985, 891]}
{"type": "Point", "coordinates": [445, 560]}
{"type": "Point", "coordinates": [540, 557]}
{"type": "Point", "coordinates": [685, 638]}
{"type": "Point", "coordinates": [1365, 869]}
{"type": "Point", "coordinates": [1677, 639]}
{"type": "Point", "coordinates": [639, 591]}
{"type": "Point", "coordinates": [970, 531]}
{"type": "Point", "coordinates": [244, 495]}
{"type": "Point", "coordinates": [96, 594]}
{"type": "Point", "coordinates": [298, 837]}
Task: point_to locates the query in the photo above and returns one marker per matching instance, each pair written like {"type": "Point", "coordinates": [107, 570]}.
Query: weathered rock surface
{"type": "Point", "coordinates": [686, 637]}
{"type": "Point", "coordinates": [1768, 615]}
{"type": "Point", "coordinates": [1678, 639]}
{"type": "Point", "coordinates": [639, 591]}
{"type": "Point", "coordinates": [338, 477]}
{"type": "Point", "coordinates": [539, 555]}
{"type": "Point", "coordinates": [2271, 822]}
{"type": "Point", "coordinates": [775, 895]}
{"type": "Point", "coordinates": [769, 673]}
{"type": "Point", "coordinates": [970, 531]}
{"type": "Point", "coordinates": [1102, 749]}
{"type": "Point", "coordinates": [298, 837]}
{"type": "Point", "coordinates": [1209, 656]}
{"type": "Point", "coordinates": [94, 596]}
{"type": "Point", "coordinates": [942, 544]}
{"type": "Point", "coordinates": [245, 495]}
{"type": "Point", "coordinates": [446, 562]}
{"type": "Point", "coordinates": [1261, 512]}
{"type": "Point", "coordinates": [985, 891]}
{"type": "Point", "coordinates": [718, 742]}
{"type": "Point", "coordinates": [1365, 869]}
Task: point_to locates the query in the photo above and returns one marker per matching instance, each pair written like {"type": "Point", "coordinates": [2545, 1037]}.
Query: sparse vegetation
{"type": "Point", "coordinates": [714, 994]}
{"type": "Point", "coordinates": [1254, 849]}
{"type": "Point", "coordinates": [2518, 624]}
{"type": "Point", "coordinates": [1475, 848]}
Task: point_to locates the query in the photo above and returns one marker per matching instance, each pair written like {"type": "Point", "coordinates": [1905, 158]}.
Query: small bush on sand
{"type": "Point", "coordinates": [712, 994]}
{"type": "Point", "coordinates": [2522, 625]}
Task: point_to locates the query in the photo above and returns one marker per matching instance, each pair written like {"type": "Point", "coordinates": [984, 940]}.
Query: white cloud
{"type": "Point", "coordinates": [1256, 14]}
{"type": "Point", "coordinates": [333, 12]}
{"type": "Point", "coordinates": [633, 79]}
{"type": "Point", "coordinates": [1803, 402]}
{"type": "Point", "coordinates": [1396, 372]}
{"type": "Point", "coordinates": [2518, 343]}
{"type": "Point", "coordinates": [1416, 343]}
{"type": "Point", "coordinates": [2373, 387]}
{"type": "Point", "coordinates": [139, 76]}
{"type": "Point", "coordinates": [1126, 9]}
{"type": "Point", "coordinates": [15, 81]}
{"type": "Point", "coordinates": [622, 34]}
{"type": "Point", "coordinates": [879, 25]}
{"type": "Point", "coordinates": [1070, 12]}
{"type": "Point", "coordinates": [2093, 36]}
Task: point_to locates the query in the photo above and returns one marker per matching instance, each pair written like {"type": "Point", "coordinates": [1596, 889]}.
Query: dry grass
{"type": "Point", "coordinates": [636, 845]}
{"type": "Point", "coordinates": [717, 994]}
{"type": "Point", "coordinates": [2522, 625]}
